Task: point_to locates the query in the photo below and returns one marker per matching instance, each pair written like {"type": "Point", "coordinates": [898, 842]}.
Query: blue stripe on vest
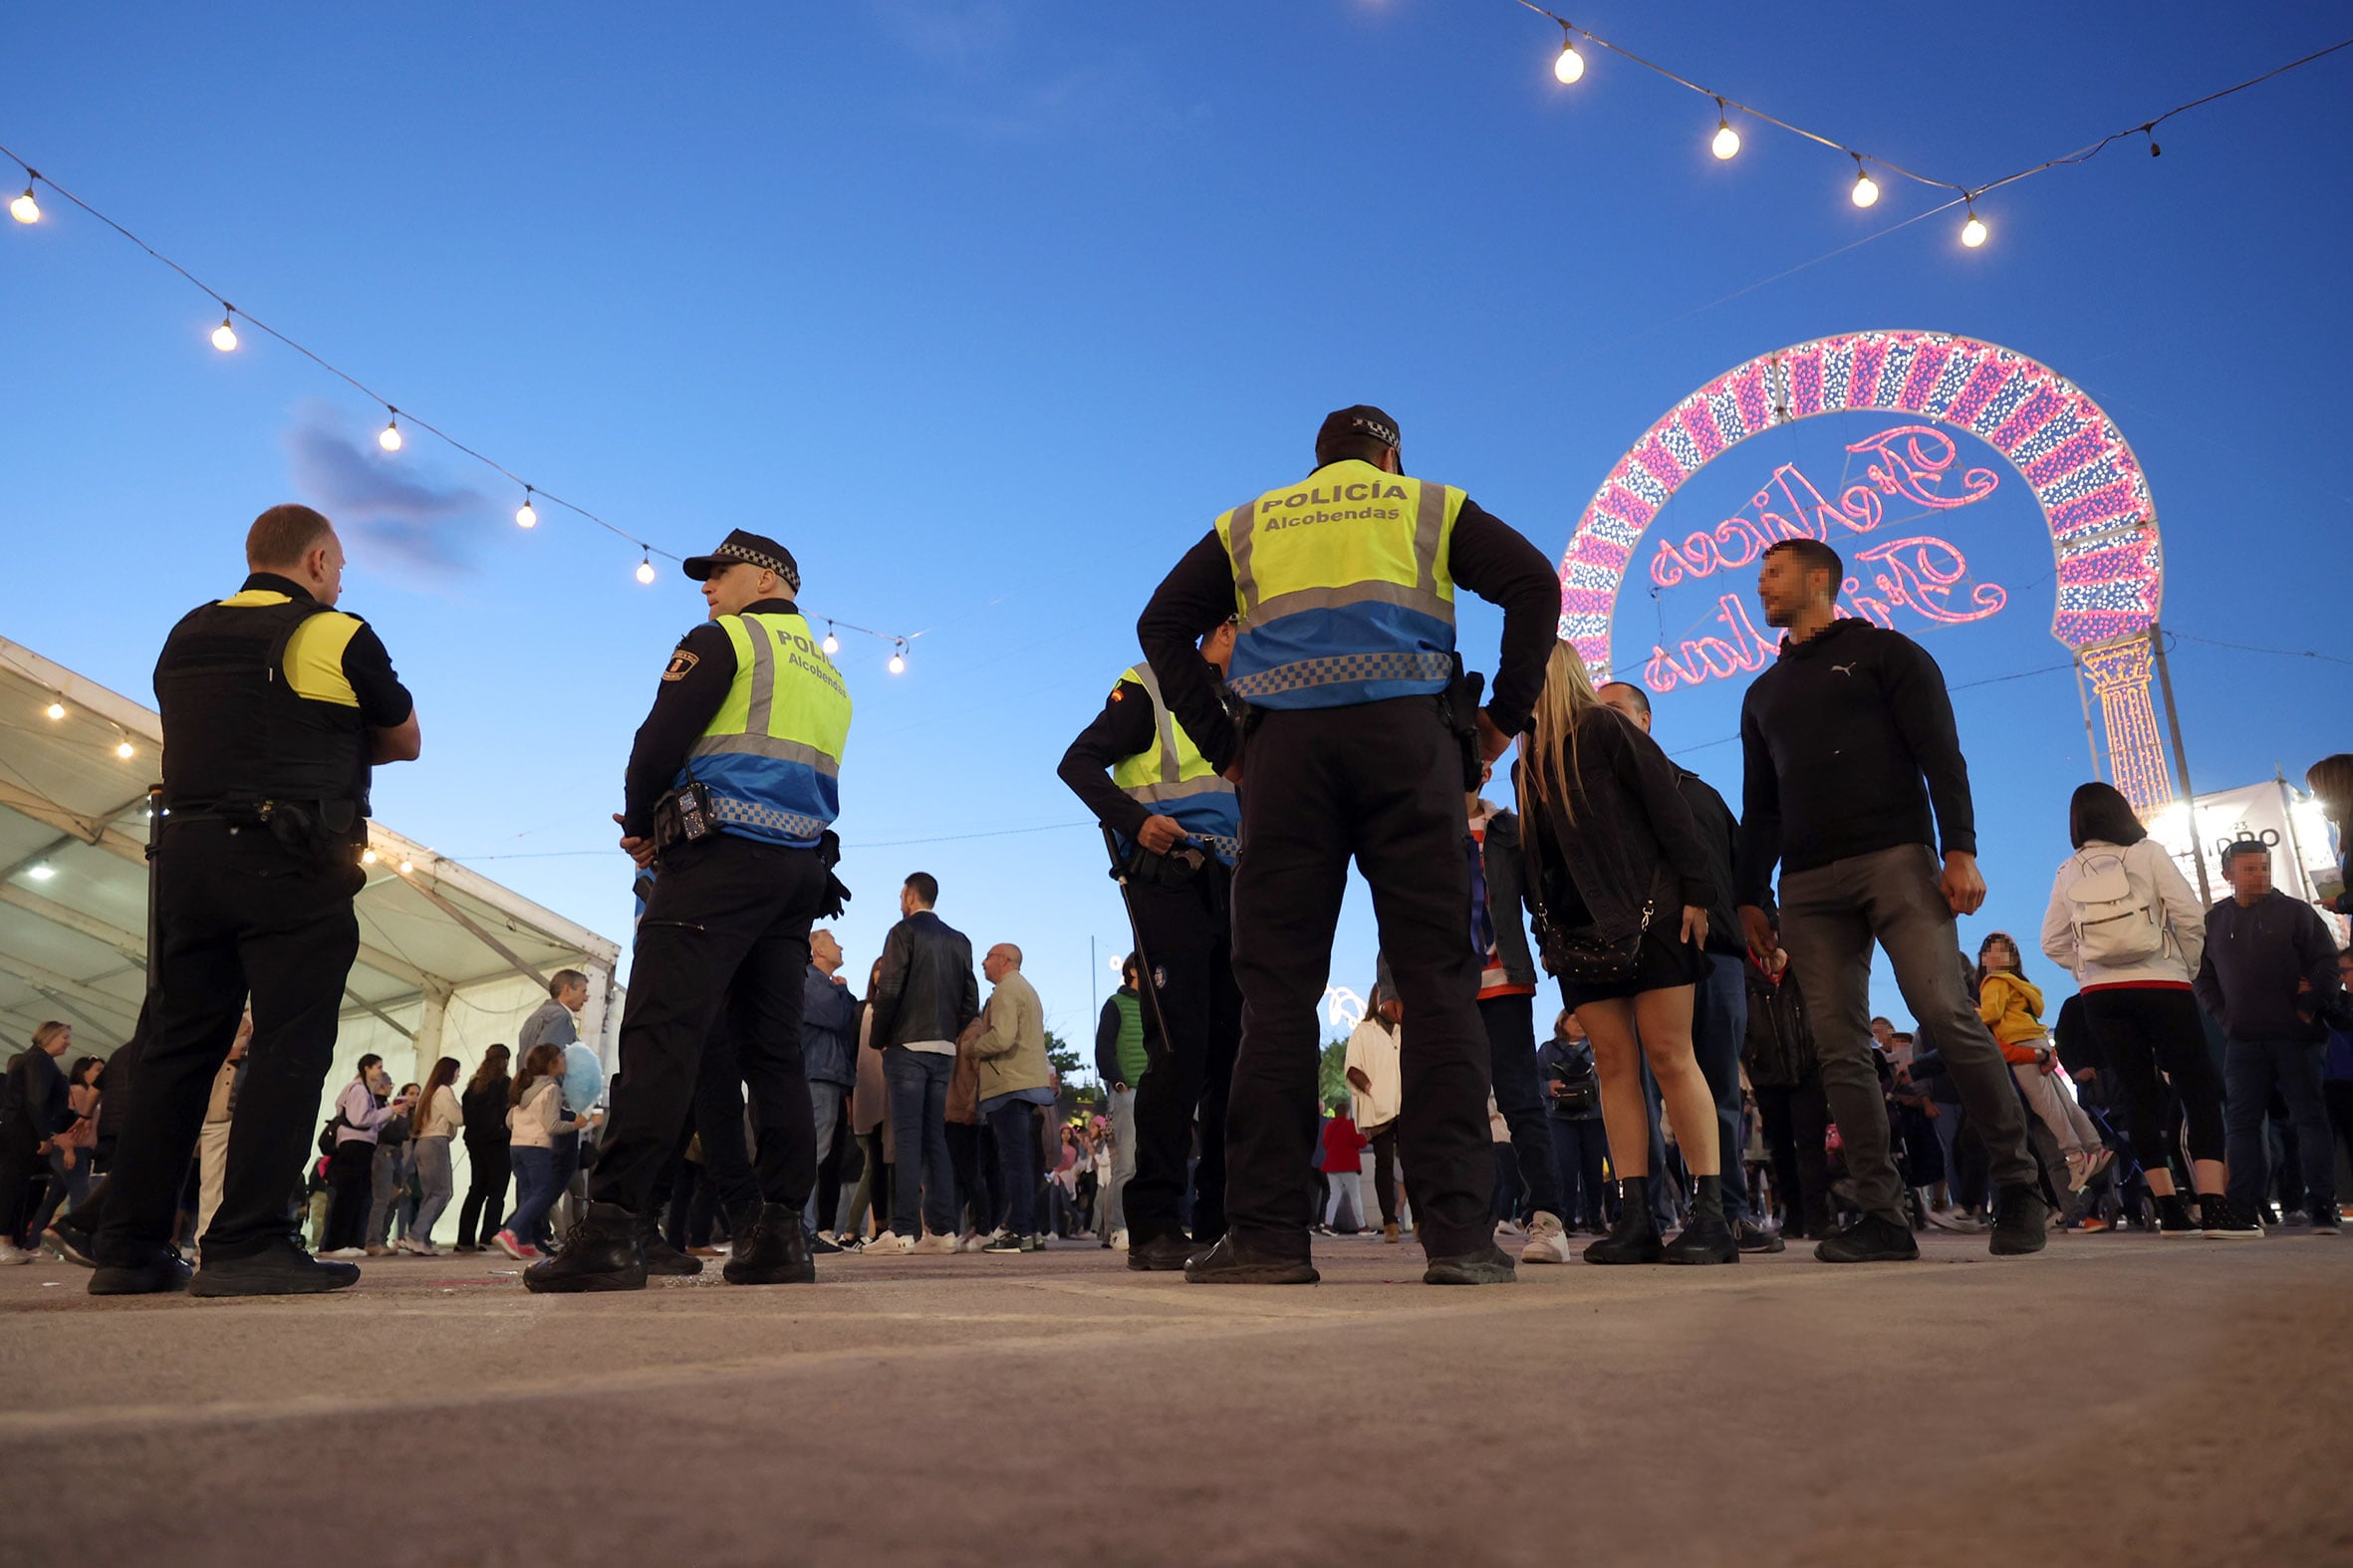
{"type": "Point", "coordinates": [768, 797]}
{"type": "Point", "coordinates": [1352, 653]}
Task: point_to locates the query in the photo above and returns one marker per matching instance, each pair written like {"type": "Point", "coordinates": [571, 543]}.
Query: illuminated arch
{"type": "Point", "coordinates": [2094, 496]}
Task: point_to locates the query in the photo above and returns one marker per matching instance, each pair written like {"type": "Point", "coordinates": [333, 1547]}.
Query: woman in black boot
{"type": "Point", "coordinates": [1621, 887]}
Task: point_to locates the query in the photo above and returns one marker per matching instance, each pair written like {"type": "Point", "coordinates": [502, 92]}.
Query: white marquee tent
{"type": "Point", "coordinates": [449, 960]}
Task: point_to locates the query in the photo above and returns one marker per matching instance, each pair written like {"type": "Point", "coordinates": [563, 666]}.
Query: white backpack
{"type": "Point", "coordinates": [2114, 928]}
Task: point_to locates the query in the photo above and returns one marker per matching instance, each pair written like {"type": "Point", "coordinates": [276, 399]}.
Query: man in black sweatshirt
{"type": "Point", "coordinates": [1836, 740]}
{"type": "Point", "coordinates": [2269, 972]}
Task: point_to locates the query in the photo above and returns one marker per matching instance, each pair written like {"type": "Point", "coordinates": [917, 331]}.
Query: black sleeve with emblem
{"type": "Point", "coordinates": [1124, 727]}
{"type": "Point", "coordinates": [384, 702]}
{"type": "Point", "coordinates": [694, 684]}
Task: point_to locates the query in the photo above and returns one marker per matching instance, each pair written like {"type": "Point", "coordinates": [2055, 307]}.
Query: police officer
{"type": "Point", "coordinates": [1178, 825]}
{"type": "Point", "coordinates": [274, 705]}
{"type": "Point", "coordinates": [1362, 741]}
{"type": "Point", "coordinates": [732, 786]}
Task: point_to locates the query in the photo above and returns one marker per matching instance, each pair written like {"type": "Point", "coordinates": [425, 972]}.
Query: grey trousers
{"type": "Point", "coordinates": [1830, 917]}
{"type": "Point", "coordinates": [1123, 1163]}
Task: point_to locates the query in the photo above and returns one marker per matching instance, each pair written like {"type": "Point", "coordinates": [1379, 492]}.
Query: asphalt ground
{"type": "Point", "coordinates": [2116, 1399]}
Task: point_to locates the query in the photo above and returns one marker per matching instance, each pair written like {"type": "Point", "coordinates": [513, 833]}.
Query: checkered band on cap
{"type": "Point", "coordinates": [731, 551]}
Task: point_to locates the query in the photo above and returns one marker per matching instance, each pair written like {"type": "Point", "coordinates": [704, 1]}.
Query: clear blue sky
{"type": "Point", "coordinates": [985, 309]}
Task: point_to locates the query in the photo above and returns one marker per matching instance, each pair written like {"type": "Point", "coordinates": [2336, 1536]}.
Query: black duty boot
{"type": "Point", "coordinates": [1634, 1237]}
{"type": "Point", "coordinates": [2021, 1223]}
{"type": "Point", "coordinates": [1705, 1237]}
{"type": "Point", "coordinates": [661, 1259]}
{"type": "Point", "coordinates": [774, 1250]}
{"type": "Point", "coordinates": [162, 1272]}
{"type": "Point", "coordinates": [1488, 1265]}
{"type": "Point", "coordinates": [1166, 1253]}
{"type": "Point", "coordinates": [1235, 1262]}
{"type": "Point", "coordinates": [600, 1253]}
{"type": "Point", "coordinates": [280, 1269]}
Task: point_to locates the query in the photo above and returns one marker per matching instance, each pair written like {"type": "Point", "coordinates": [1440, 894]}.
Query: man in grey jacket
{"type": "Point", "coordinates": [2269, 973]}
{"type": "Point", "coordinates": [829, 1047]}
{"type": "Point", "coordinates": [923, 997]}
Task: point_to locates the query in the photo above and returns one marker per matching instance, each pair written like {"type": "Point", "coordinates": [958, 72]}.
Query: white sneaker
{"type": "Point", "coordinates": [1004, 1242]}
{"type": "Point", "coordinates": [10, 1254]}
{"type": "Point", "coordinates": [1548, 1241]}
{"type": "Point", "coordinates": [972, 1242]}
{"type": "Point", "coordinates": [345, 1252]}
{"type": "Point", "coordinates": [933, 1246]}
{"type": "Point", "coordinates": [1119, 1240]}
{"type": "Point", "coordinates": [889, 1244]}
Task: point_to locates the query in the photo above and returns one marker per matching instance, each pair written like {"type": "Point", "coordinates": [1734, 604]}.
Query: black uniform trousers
{"type": "Point", "coordinates": [1186, 935]}
{"type": "Point", "coordinates": [236, 914]}
{"type": "Point", "coordinates": [1381, 782]}
{"type": "Point", "coordinates": [725, 934]}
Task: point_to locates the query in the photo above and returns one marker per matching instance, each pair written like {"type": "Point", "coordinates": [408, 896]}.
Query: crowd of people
{"type": "Point", "coordinates": [1713, 1086]}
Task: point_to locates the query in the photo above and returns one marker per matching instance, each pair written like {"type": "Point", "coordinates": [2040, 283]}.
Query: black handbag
{"type": "Point", "coordinates": [1580, 956]}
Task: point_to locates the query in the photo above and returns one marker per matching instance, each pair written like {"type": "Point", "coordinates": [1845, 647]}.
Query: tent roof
{"type": "Point", "coordinates": [73, 880]}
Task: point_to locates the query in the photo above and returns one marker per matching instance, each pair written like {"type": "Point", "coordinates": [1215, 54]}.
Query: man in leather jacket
{"type": "Point", "coordinates": [924, 996]}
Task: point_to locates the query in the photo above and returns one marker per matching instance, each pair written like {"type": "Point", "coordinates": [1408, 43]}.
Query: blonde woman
{"type": "Point", "coordinates": [1623, 885]}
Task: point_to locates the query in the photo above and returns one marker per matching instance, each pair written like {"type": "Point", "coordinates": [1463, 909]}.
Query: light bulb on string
{"type": "Point", "coordinates": [1727, 140]}
{"type": "Point", "coordinates": [1570, 66]}
{"type": "Point", "coordinates": [56, 710]}
{"type": "Point", "coordinates": [406, 867]}
{"type": "Point", "coordinates": [899, 659]}
{"type": "Point", "coordinates": [833, 644]}
{"type": "Point", "coordinates": [1973, 231]}
{"type": "Point", "coordinates": [1865, 189]}
{"type": "Point", "coordinates": [224, 336]}
{"type": "Point", "coordinates": [126, 751]}
{"type": "Point", "coordinates": [390, 437]}
{"type": "Point", "coordinates": [646, 569]}
{"type": "Point", "coordinates": [24, 208]}
{"type": "Point", "coordinates": [526, 515]}
{"type": "Point", "coordinates": [367, 857]}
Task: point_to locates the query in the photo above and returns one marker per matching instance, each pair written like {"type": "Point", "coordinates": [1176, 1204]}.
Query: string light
{"type": "Point", "coordinates": [56, 710]}
{"type": "Point", "coordinates": [1972, 233]}
{"type": "Point", "coordinates": [389, 437]}
{"type": "Point", "coordinates": [126, 751]}
{"type": "Point", "coordinates": [1569, 66]}
{"type": "Point", "coordinates": [833, 644]}
{"type": "Point", "coordinates": [367, 857]}
{"type": "Point", "coordinates": [1727, 140]}
{"type": "Point", "coordinates": [406, 868]}
{"type": "Point", "coordinates": [1569, 69]}
{"type": "Point", "coordinates": [899, 659]}
{"type": "Point", "coordinates": [1865, 189]}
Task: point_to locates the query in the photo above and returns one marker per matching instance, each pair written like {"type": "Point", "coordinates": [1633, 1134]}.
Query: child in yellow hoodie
{"type": "Point", "coordinates": [2011, 1007]}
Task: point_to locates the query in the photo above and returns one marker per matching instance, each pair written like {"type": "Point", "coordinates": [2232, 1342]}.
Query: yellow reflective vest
{"type": "Point", "coordinates": [771, 757]}
{"type": "Point", "coordinates": [1342, 589]}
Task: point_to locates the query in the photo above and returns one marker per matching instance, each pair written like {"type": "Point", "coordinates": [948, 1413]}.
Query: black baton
{"type": "Point", "coordinates": [1119, 873]}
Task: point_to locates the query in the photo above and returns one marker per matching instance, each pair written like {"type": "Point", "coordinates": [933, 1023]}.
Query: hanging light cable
{"type": "Point", "coordinates": [1972, 230]}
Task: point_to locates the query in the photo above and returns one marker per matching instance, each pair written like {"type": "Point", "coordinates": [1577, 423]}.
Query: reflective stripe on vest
{"type": "Point", "coordinates": [1344, 589]}
{"type": "Point", "coordinates": [771, 757]}
{"type": "Point", "coordinates": [1172, 778]}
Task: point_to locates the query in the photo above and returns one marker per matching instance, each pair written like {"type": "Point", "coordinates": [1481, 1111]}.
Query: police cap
{"type": "Point", "coordinates": [756, 549]}
{"type": "Point", "coordinates": [1363, 419]}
